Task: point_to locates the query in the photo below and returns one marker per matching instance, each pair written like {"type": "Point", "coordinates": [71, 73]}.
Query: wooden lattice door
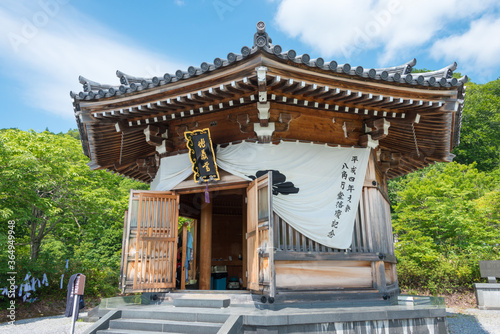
{"type": "Point", "coordinates": [149, 258]}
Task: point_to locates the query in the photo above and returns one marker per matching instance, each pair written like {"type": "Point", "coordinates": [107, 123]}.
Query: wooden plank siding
{"type": "Point", "coordinates": [307, 275]}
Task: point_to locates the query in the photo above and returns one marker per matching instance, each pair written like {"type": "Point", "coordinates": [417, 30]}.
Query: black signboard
{"type": "Point", "coordinates": [202, 155]}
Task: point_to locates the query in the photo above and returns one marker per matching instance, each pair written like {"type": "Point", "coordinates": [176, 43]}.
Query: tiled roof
{"type": "Point", "coordinates": [401, 74]}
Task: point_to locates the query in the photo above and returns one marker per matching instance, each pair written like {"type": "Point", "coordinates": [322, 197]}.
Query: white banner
{"type": "Point", "coordinates": [316, 187]}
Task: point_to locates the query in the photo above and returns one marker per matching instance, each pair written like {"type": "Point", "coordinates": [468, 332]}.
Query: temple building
{"type": "Point", "coordinates": [280, 160]}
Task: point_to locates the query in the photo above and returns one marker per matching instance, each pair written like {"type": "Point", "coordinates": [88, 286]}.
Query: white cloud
{"type": "Point", "coordinates": [343, 28]}
{"type": "Point", "coordinates": [478, 48]}
{"type": "Point", "coordinates": [48, 44]}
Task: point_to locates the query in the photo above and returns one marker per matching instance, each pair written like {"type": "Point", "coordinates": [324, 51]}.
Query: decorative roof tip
{"type": "Point", "coordinates": [261, 38]}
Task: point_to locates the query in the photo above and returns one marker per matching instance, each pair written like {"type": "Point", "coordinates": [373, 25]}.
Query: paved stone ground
{"type": "Point", "coordinates": [469, 321]}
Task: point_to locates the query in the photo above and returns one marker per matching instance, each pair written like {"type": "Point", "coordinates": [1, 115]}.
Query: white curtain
{"type": "Point", "coordinates": [173, 170]}
{"type": "Point", "coordinates": [329, 182]}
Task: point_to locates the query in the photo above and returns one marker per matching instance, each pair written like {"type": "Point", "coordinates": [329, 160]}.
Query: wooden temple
{"type": "Point", "coordinates": [267, 96]}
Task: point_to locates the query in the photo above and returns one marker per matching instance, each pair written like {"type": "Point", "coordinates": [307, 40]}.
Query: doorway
{"type": "Point", "coordinates": [220, 257]}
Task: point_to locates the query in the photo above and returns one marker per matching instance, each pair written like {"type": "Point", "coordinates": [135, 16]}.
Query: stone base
{"type": "Point", "coordinates": [488, 296]}
{"type": "Point", "coordinates": [369, 320]}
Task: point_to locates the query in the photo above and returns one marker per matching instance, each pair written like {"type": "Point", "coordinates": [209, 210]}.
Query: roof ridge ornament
{"type": "Point", "coordinates": [261, 38]}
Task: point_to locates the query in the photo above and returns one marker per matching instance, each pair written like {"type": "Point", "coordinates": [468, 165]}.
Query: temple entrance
{"type": "Point", "coordinates": [217, 261]}
{"type": "Point", "coordinates": [224, 244]}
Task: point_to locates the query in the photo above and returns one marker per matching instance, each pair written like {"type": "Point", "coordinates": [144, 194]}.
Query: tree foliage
{"type": "Point", "coordinates": [62, 209]}
{"type": "Point", "coordinates": [480, 135]}
{"type": "Point", "coordinates": [445, 220]}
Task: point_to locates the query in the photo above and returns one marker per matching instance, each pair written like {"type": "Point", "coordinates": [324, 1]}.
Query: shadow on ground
{"type": "Point", "coordinates": [464, 324]}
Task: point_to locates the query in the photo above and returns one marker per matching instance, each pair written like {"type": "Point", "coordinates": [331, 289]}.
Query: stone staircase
{"type": "Point", "coordinates": [182, 315]}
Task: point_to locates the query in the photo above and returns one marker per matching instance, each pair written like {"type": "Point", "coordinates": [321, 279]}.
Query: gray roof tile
{"type": "Point", "coordinates": [401, 74]}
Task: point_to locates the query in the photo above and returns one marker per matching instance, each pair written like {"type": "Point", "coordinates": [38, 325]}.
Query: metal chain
{"type": "Point", "coordinates": [415, 140]}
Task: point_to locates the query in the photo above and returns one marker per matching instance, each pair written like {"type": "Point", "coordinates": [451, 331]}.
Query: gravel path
{"type": "Point", "coordinates": [473, 321]}
{"type": "Point", "coordinates": [469, 321]}
{"type": "Point", "coordinates": [47, 325]}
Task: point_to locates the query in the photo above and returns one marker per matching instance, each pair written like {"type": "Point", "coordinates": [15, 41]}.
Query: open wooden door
{"type": "Point", "coordinates": [260, 251]}
{"type": "Point", "coordinates": [149, 252]}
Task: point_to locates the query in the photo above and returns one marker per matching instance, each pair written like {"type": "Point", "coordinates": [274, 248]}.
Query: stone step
{"type": "Point", "coordinates": [153, 325]}
{"type": "Point", "coordinates": [129, 331]}
{"type": "Point", "coordinates": [177, 315]}
{"type": "Point", "coordinates": [239, 297]}
{"type": "Point", "coordinates": [202, 302]}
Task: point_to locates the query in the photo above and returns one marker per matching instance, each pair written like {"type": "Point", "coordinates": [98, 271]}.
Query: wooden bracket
{"type": "Point", "coordinates": [166, 146]}
{"type": "Point", "coordinates": [389, 160]}
{"type": "Point", "coordinates": [377, 128]}
{"type": "Point", "coordinates": [244, 122]}
{"type": "Point", "coordinates": [152, 135]}
{"type": "Point", "coordinates": [284, 121]}
{"type": "Point", "coordinates": [264, 133]}
{"type": "Point", "coordinates": [186, 127]}
{"type": "Point", "coordinates": [368, 141]}
{"type": "Point", "coordinates": [348, 128]}
{"type": "Point", "coordinates": [147, 166]}
{"type": "Point", "coordinates": [264, 113]}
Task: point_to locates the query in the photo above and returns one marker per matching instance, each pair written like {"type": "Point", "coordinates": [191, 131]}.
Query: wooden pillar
{"type": "Point", "coordinates": [244, 241]}
{"type": "Point", "coordinates": [206, 246]}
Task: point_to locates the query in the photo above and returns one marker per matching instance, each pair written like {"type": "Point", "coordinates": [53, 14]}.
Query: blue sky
{"type": "Point", "coordinates": [46, 44]}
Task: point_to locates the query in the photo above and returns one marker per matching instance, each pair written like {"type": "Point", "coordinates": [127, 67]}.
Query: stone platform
{"type": "Point", "coordinates": [164, 316]}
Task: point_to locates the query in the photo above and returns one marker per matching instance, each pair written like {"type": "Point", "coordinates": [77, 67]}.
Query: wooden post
{"type": "Point", "coordinates": [184, 250]}
{"type": "Point", "coordinates": [244, 248]}
{"type": "Point", "coordinates": [206, 246]}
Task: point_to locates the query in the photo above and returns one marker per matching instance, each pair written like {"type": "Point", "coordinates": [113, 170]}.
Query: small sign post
{"type": "Point", "coordinates": [77, 291]}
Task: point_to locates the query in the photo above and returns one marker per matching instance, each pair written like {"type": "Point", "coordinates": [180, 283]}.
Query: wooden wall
{"type": "Point", "coordinates": [307, 275]}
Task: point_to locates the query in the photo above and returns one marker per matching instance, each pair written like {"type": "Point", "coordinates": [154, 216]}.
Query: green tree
{"type": "Point", "coordinates": [47, 186]}
{"type": "Point", "coordinates": [445, 220]}
{"type": "Point", "coordinates": [62, 209]}
{"type": "Point", "coordinates": [480, 134]}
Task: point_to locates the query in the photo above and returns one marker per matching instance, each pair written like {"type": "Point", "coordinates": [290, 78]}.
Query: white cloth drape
{"type": "Point", "coordinates": [329, 179]}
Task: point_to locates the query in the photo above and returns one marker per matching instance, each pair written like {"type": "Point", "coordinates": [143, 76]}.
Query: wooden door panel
{"type": "Point", "coordinates": [261, 277]}
{"type": "Point", "coordinates": [149, 262]}
{"type": "Point", "coordinates": [252, 241]}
